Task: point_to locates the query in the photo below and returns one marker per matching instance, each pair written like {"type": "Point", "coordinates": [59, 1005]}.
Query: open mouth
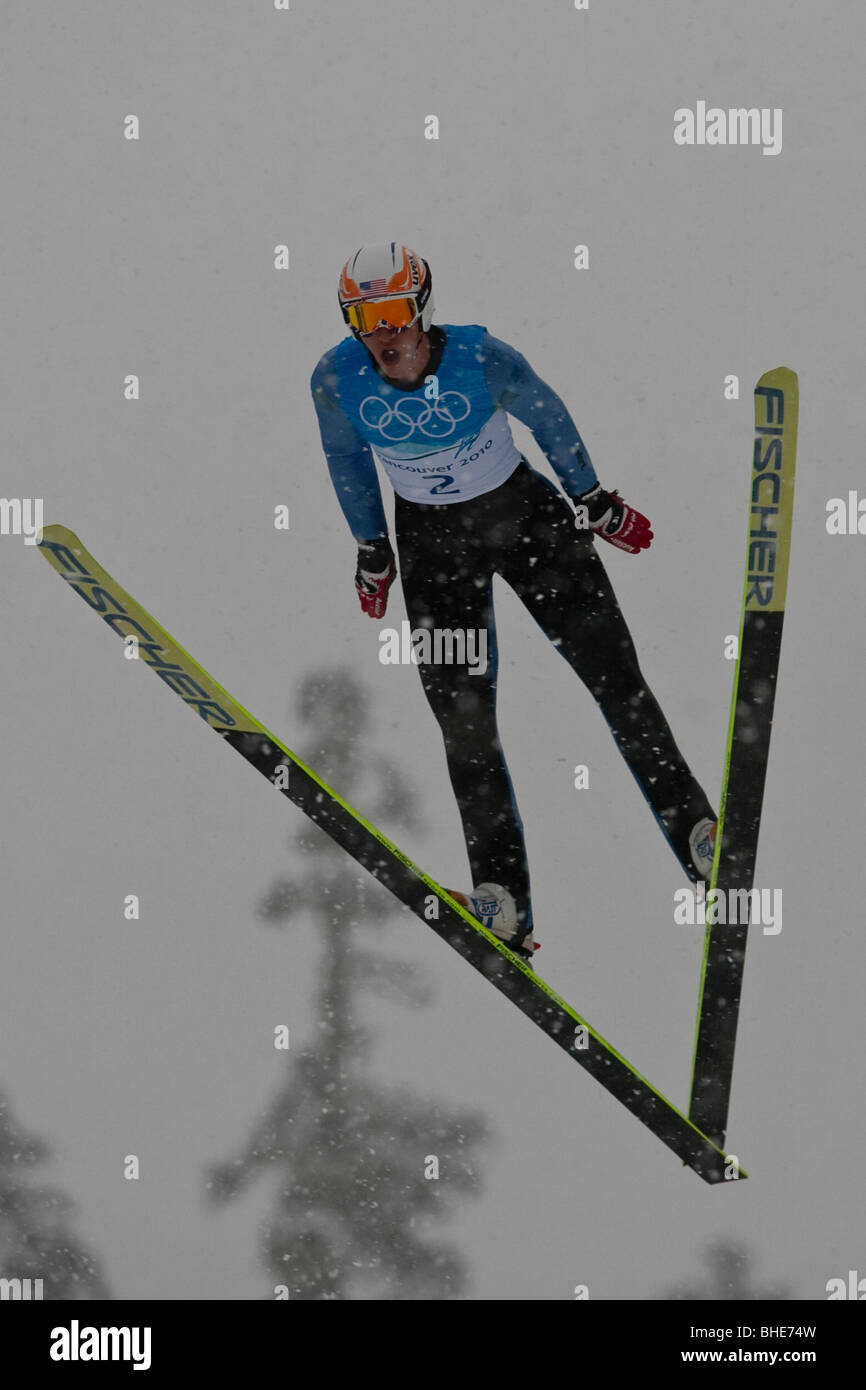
{"type": "Point", "coordinates": [390, 354]}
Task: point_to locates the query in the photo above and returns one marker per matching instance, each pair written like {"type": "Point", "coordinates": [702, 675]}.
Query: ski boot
{"type": "Point", "coordinates": [496, 910]}
{"type": "Point", "coordinates": [702, 843]}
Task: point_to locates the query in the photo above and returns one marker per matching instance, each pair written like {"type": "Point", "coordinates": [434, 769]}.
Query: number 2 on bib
{"type": "Point", "coordinates": [446, 483]}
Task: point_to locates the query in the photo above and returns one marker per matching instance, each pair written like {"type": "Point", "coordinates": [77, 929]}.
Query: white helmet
{"type": "Point", "coordinates": [385, 283]}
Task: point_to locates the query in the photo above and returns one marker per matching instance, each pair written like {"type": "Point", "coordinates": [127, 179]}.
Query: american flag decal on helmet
{"type": "Point", "coordinates": [373, 286]}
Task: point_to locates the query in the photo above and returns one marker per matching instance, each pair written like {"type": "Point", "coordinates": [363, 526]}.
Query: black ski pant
{"type": "Point", "coordinates": [524, 531]}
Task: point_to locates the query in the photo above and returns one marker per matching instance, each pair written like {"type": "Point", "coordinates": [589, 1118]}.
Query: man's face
{"type": "Point", "coordinates": [398, 352]}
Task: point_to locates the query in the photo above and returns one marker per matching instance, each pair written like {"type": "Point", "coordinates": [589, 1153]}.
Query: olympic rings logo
{"type": "Point", "coordinates": [437, 418]}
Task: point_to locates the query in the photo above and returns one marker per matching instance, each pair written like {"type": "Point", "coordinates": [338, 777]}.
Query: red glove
{"type": "Point", "coordinates": [374, 576]}
{"type": "Point", "coordinates": [614, 520]}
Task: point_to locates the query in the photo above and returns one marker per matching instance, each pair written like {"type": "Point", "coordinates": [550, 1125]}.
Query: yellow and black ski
{"type": "Point", "coordinates": [370, 848]}
{"type": "Point", "coordinates": [771, 501]}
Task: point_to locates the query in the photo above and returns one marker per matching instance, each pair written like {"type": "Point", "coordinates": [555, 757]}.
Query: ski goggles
{"type": "Point", "coordinates": [369, 314]}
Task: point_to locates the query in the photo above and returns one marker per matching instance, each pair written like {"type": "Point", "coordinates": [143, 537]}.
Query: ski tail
{"type": "Point", "coordinates": [771, 500]}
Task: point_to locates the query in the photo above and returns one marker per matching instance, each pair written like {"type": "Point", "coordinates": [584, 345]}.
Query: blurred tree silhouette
{"type": "Point", "coordinates": [729, 1278]}
{"type": "Point", "coordinates": [35, 1240]}
{"type": "Point", "coordinates": [353, 1208]}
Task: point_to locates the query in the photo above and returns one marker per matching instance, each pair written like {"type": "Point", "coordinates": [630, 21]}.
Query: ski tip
{"type": "Point", "coordinates": [779, 376]}
{"type": "Point", "coordinates": [55, 534]}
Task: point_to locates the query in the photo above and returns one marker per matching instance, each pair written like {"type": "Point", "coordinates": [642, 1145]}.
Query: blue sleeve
{"type": "Point", "coordinates": [350, 460]}
{"type": "Point", "coordinates": [514, 386]}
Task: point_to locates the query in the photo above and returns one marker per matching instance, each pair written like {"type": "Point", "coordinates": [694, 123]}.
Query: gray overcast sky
{"type": "Point", "coordinates": [155, 257]}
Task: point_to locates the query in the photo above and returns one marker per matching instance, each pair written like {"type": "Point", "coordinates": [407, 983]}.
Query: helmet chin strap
{"type": "Point", "coordinates": [418, 341]}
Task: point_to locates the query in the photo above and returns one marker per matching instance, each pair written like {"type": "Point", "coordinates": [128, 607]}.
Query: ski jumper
{"type": "Point", "coordinates": [469, 506]}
